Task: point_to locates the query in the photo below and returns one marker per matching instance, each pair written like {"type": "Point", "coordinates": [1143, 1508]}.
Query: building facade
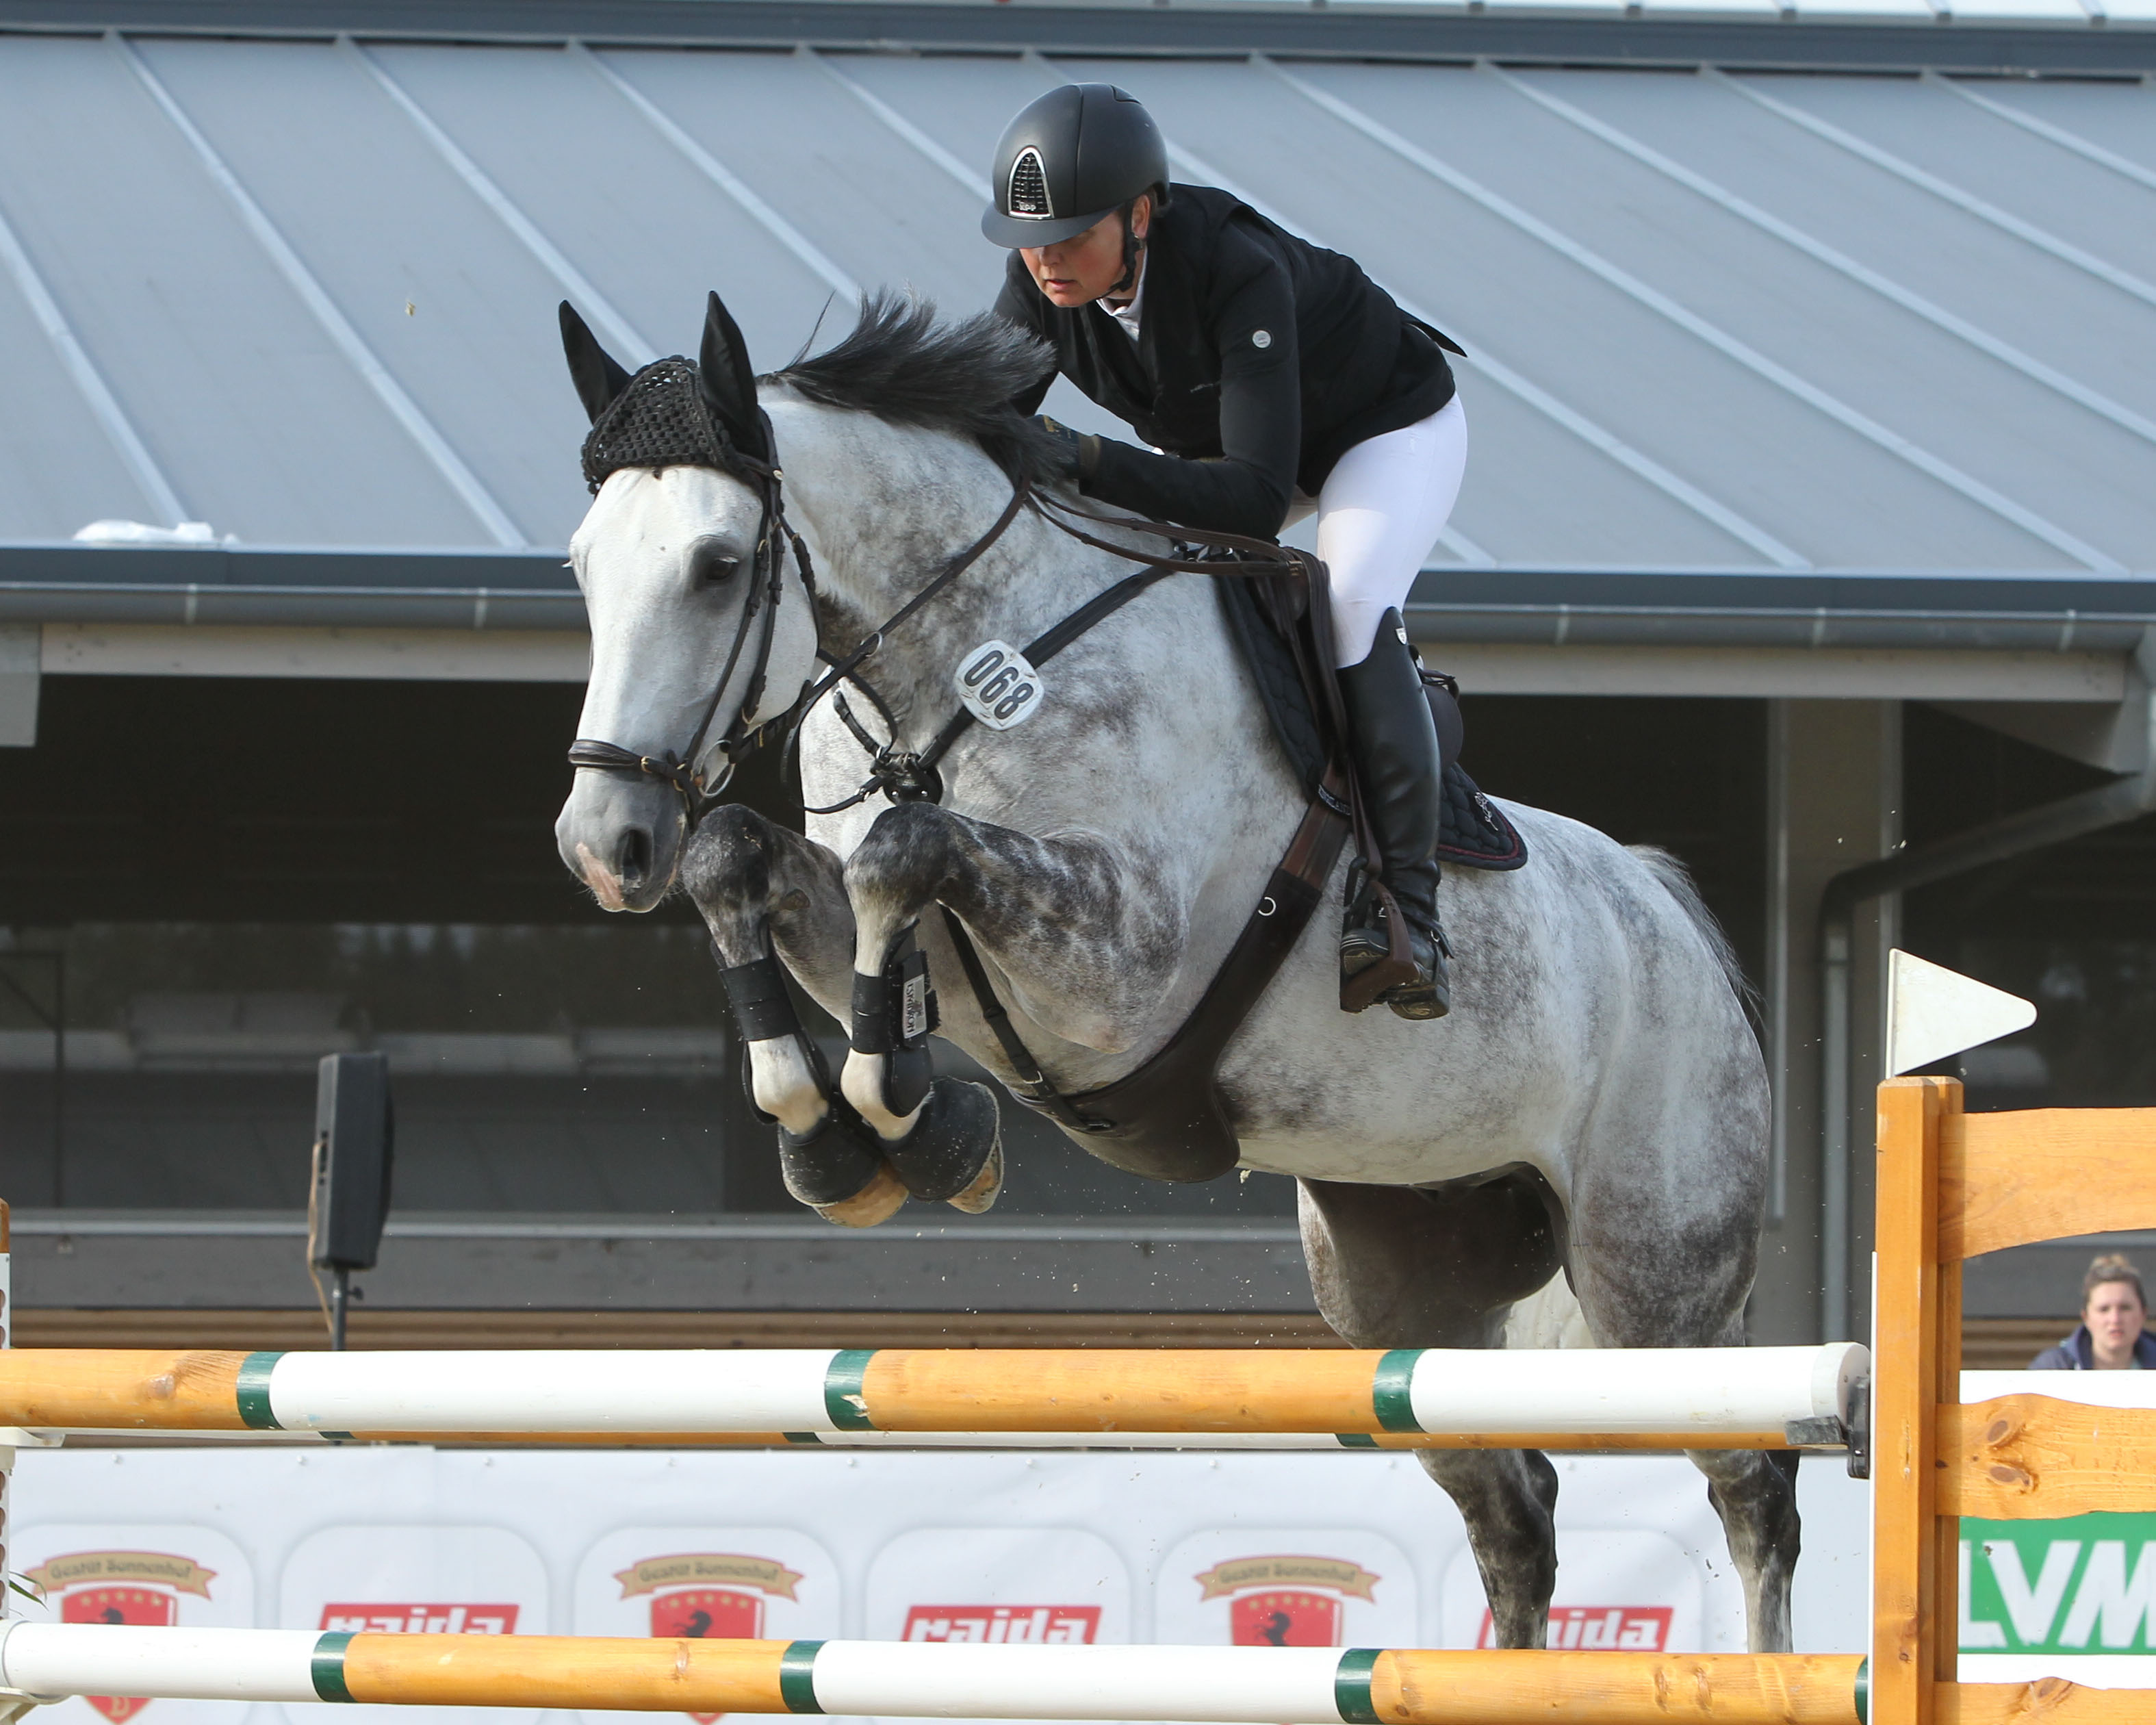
{"type": "Point", "coordinates": [1808, 527]}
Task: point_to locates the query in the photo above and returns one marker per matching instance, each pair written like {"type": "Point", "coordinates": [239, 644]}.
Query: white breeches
{"type": "Point", "coordinates": [1379, 513]}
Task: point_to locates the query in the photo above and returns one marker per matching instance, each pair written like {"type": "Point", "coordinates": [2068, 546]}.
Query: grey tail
{"type": "Point", "coordinates": [1676, 880]}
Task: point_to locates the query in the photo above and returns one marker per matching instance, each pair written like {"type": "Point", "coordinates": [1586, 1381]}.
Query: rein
{"type": "Point", "coordinates": [910, 776]}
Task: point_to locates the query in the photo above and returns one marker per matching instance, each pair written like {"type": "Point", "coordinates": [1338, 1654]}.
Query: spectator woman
{"type": "Point", "coordinates": [2112, 1336]}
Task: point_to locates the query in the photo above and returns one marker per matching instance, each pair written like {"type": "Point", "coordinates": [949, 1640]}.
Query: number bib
{"type": "Point", "coordinates": [997, 685]}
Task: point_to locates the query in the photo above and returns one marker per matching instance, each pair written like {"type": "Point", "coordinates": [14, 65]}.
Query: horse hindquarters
{"type": "Point", "coordinates": [1400, 1267]}
{"type": "Point", "coordinates": [1668, 1190]}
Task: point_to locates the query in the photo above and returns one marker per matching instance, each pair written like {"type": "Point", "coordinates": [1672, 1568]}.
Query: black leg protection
{"type": "Point", "coordinates": [842, 1156]}
{"type": "Point", "coordinates": [953, 1144]}
{"type": "Point", "coordinates": [893, 1014]}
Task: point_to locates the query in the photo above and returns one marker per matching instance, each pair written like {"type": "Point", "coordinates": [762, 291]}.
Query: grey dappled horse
{"type": "Point", "coordinates": [1596, 1103]}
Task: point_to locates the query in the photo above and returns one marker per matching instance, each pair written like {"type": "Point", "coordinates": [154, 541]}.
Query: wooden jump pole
{"type": "Point", "coordinates": [1295, 1685]}
{"type": "Point", "coordinates": [1653, 1398]}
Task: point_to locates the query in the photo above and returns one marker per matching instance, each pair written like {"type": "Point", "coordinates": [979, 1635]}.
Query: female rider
{"type": "Point", "coordinates": [1277, 378]}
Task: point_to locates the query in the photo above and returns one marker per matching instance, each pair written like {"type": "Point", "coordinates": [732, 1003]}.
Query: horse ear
{"type": "Point", "coordinates": [728, 381]}
{"type": "Point", "coordinates": [598, 377]}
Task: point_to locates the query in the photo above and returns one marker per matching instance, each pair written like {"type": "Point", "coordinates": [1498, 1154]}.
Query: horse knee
{"type": "Point", "coordinates": [726, 873]}
{"type": "Point", "coordinates": [894, 871]}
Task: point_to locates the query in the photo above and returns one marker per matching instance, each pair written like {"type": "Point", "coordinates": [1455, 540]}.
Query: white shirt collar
{"type": "Point", "coordinates": [1127, 317]}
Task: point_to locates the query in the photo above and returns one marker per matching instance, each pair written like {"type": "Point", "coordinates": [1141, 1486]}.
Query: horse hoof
{"type": "Point", "coordinates": [953, 1145]}
{"type": "Point", "coordinates": [879, 1201]}
{"type": "Point", "coordinates": [986, 1187]}
{"type": "Point", "coordinates": [840, 1172]}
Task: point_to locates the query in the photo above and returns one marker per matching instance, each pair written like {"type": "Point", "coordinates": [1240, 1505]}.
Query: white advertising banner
{"type": "Point", "coordinates": [151, 1571]}
{"type": "Point", "coordinates": [746, 1583]}
{"type": "Point", "coordinates": [1340, 1548]}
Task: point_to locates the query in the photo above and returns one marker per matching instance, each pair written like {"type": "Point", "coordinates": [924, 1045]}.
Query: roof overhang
{"type": "Point", "coordinates": [516, 616]}
{"type": "Point", "coordinates": [1589, 35]}
{"type": "Point", "coordinates": [1813, 610]}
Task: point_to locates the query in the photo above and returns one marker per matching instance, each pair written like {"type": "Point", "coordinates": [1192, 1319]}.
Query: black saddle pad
{"type": "Point", "coordinates": [1472, 831]}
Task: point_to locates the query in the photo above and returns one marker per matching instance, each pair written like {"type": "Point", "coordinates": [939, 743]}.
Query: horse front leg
{"type": "Point", "coordinates": [1062, 910]}
{"type": "Point", "coordinates": [768, 895]}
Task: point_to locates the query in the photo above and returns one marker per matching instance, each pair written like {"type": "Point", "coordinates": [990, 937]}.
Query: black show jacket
{"type": "Point", "coordinates": [1261, 360]}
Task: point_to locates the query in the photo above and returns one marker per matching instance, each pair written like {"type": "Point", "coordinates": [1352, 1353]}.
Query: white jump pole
{"type": "Point", "coordinates": [1291, 1686]}
{"type": "Point", "coordinates": [1764, 1398]}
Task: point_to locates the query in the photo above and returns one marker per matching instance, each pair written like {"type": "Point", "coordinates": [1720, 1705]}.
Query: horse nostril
{"type": "Point", "coordinates": [635, 856]}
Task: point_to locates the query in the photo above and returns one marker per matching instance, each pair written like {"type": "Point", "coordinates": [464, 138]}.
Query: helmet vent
{"type": "Point", "coordinates": [1029, 186]}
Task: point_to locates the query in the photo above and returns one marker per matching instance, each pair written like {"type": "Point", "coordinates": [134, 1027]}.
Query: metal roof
{"type": "Point", "coordinates": [302, 288]}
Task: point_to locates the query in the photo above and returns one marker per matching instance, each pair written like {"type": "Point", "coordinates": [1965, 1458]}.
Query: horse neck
{"type": "Point", "coordinates": [886, 508]}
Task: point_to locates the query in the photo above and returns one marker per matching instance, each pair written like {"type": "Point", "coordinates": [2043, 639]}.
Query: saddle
{"type": "Point", "coordinates": [1168, 1121]}
{"type": "Point", "coordinates": [1473, 832]}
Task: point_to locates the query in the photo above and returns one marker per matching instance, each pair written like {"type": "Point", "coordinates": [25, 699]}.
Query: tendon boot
{"type": "Point", "coordinates": [1398, 762]}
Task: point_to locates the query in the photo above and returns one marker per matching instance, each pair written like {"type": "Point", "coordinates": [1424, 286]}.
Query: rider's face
{"type": "Point", "coordinates": [1077, 271]}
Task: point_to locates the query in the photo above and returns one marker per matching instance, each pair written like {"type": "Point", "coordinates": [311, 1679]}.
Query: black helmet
{"type": "Point", "coordinates": [1078, 154]}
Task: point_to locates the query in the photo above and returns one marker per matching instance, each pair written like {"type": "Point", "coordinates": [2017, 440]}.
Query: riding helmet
{"type": "Point", "coordinates": [1078, 154]}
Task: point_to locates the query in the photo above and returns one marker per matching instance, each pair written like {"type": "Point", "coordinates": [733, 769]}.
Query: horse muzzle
{"type": "Point", "coordinates": [622, 838]}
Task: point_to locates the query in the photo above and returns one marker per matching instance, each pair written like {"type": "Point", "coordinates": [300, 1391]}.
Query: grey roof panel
{"type": "Point", "coordinates": [2057, 312]}
{"type": "Point", "coordinates": [2120, 117]}
{"type": "Point", "coordinates": [262, 427]}
{"type": "Point", "coordinates": [1751, 445]}
{"type": "Point", "coordinates": [863, 196]}
{"type": "Point", "coordinates": [1932, 130]}
{"type": "Point", "coordinates": [58, 469]}
{"type": "Point", "coordinates": [1819, 480]}
{"type": "Point", "coordinates": [1657, 378]}
{"type": "Point", "coordinates": [1532, 482]}
{"type": "Point", "coordinates": [439, 289]}
{"type": "Point", "coordinates": [2047, 422]}
{"type": "Point", "coordinates": [635, 214]}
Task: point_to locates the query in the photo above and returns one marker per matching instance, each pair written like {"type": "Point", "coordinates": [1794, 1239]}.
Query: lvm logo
{"type": "Point", "coordinates": [2085, 1584]}
{"type": "Point", "coordinates": [1608, 1629]}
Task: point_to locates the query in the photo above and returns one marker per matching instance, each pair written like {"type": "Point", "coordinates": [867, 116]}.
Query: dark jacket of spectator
{"type": "Point", "coordinates": [2075, 1354]}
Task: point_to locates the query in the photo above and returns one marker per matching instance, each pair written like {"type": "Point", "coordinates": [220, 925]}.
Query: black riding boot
{"type": "Point", "coordinates": [1397, 759]}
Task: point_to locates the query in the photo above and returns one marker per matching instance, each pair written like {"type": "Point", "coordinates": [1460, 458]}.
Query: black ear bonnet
{"type": "Point", "coordinates": [659, 420]}
{"type": "Point", "coordinates": [673, 412]}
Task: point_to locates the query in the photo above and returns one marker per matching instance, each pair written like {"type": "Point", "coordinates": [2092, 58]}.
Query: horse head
{"type": "Point", "coordinates": [701, 627]}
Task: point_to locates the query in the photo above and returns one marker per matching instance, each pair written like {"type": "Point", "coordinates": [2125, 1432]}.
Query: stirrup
{"type": "Point", "coordinates": [1366, 941]}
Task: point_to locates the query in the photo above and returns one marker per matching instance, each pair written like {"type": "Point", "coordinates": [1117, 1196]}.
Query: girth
{"type": "Point", "coordinates": [1168, 1120]}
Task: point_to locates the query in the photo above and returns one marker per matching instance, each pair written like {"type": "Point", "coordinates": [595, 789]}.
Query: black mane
{"type": "Point", "coordinates": [899, 364]}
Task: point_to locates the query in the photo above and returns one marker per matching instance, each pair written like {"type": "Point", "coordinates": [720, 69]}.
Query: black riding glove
{"type": "Point", "coordinates": [1080, 454]}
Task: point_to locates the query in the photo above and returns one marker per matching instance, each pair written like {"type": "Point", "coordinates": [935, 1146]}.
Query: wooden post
{"type": "Point", "coordinates": [1914, 1582]}
{"type": "Point", "coordinates": [1945, 1381]}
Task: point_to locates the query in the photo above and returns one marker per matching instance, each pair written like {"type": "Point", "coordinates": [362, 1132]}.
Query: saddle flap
{"type": "Point", "coordinates": [1474, 833]}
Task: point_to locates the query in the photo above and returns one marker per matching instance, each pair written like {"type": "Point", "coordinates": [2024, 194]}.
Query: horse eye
{"type": "Point", "coordinates": [710, 569]}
